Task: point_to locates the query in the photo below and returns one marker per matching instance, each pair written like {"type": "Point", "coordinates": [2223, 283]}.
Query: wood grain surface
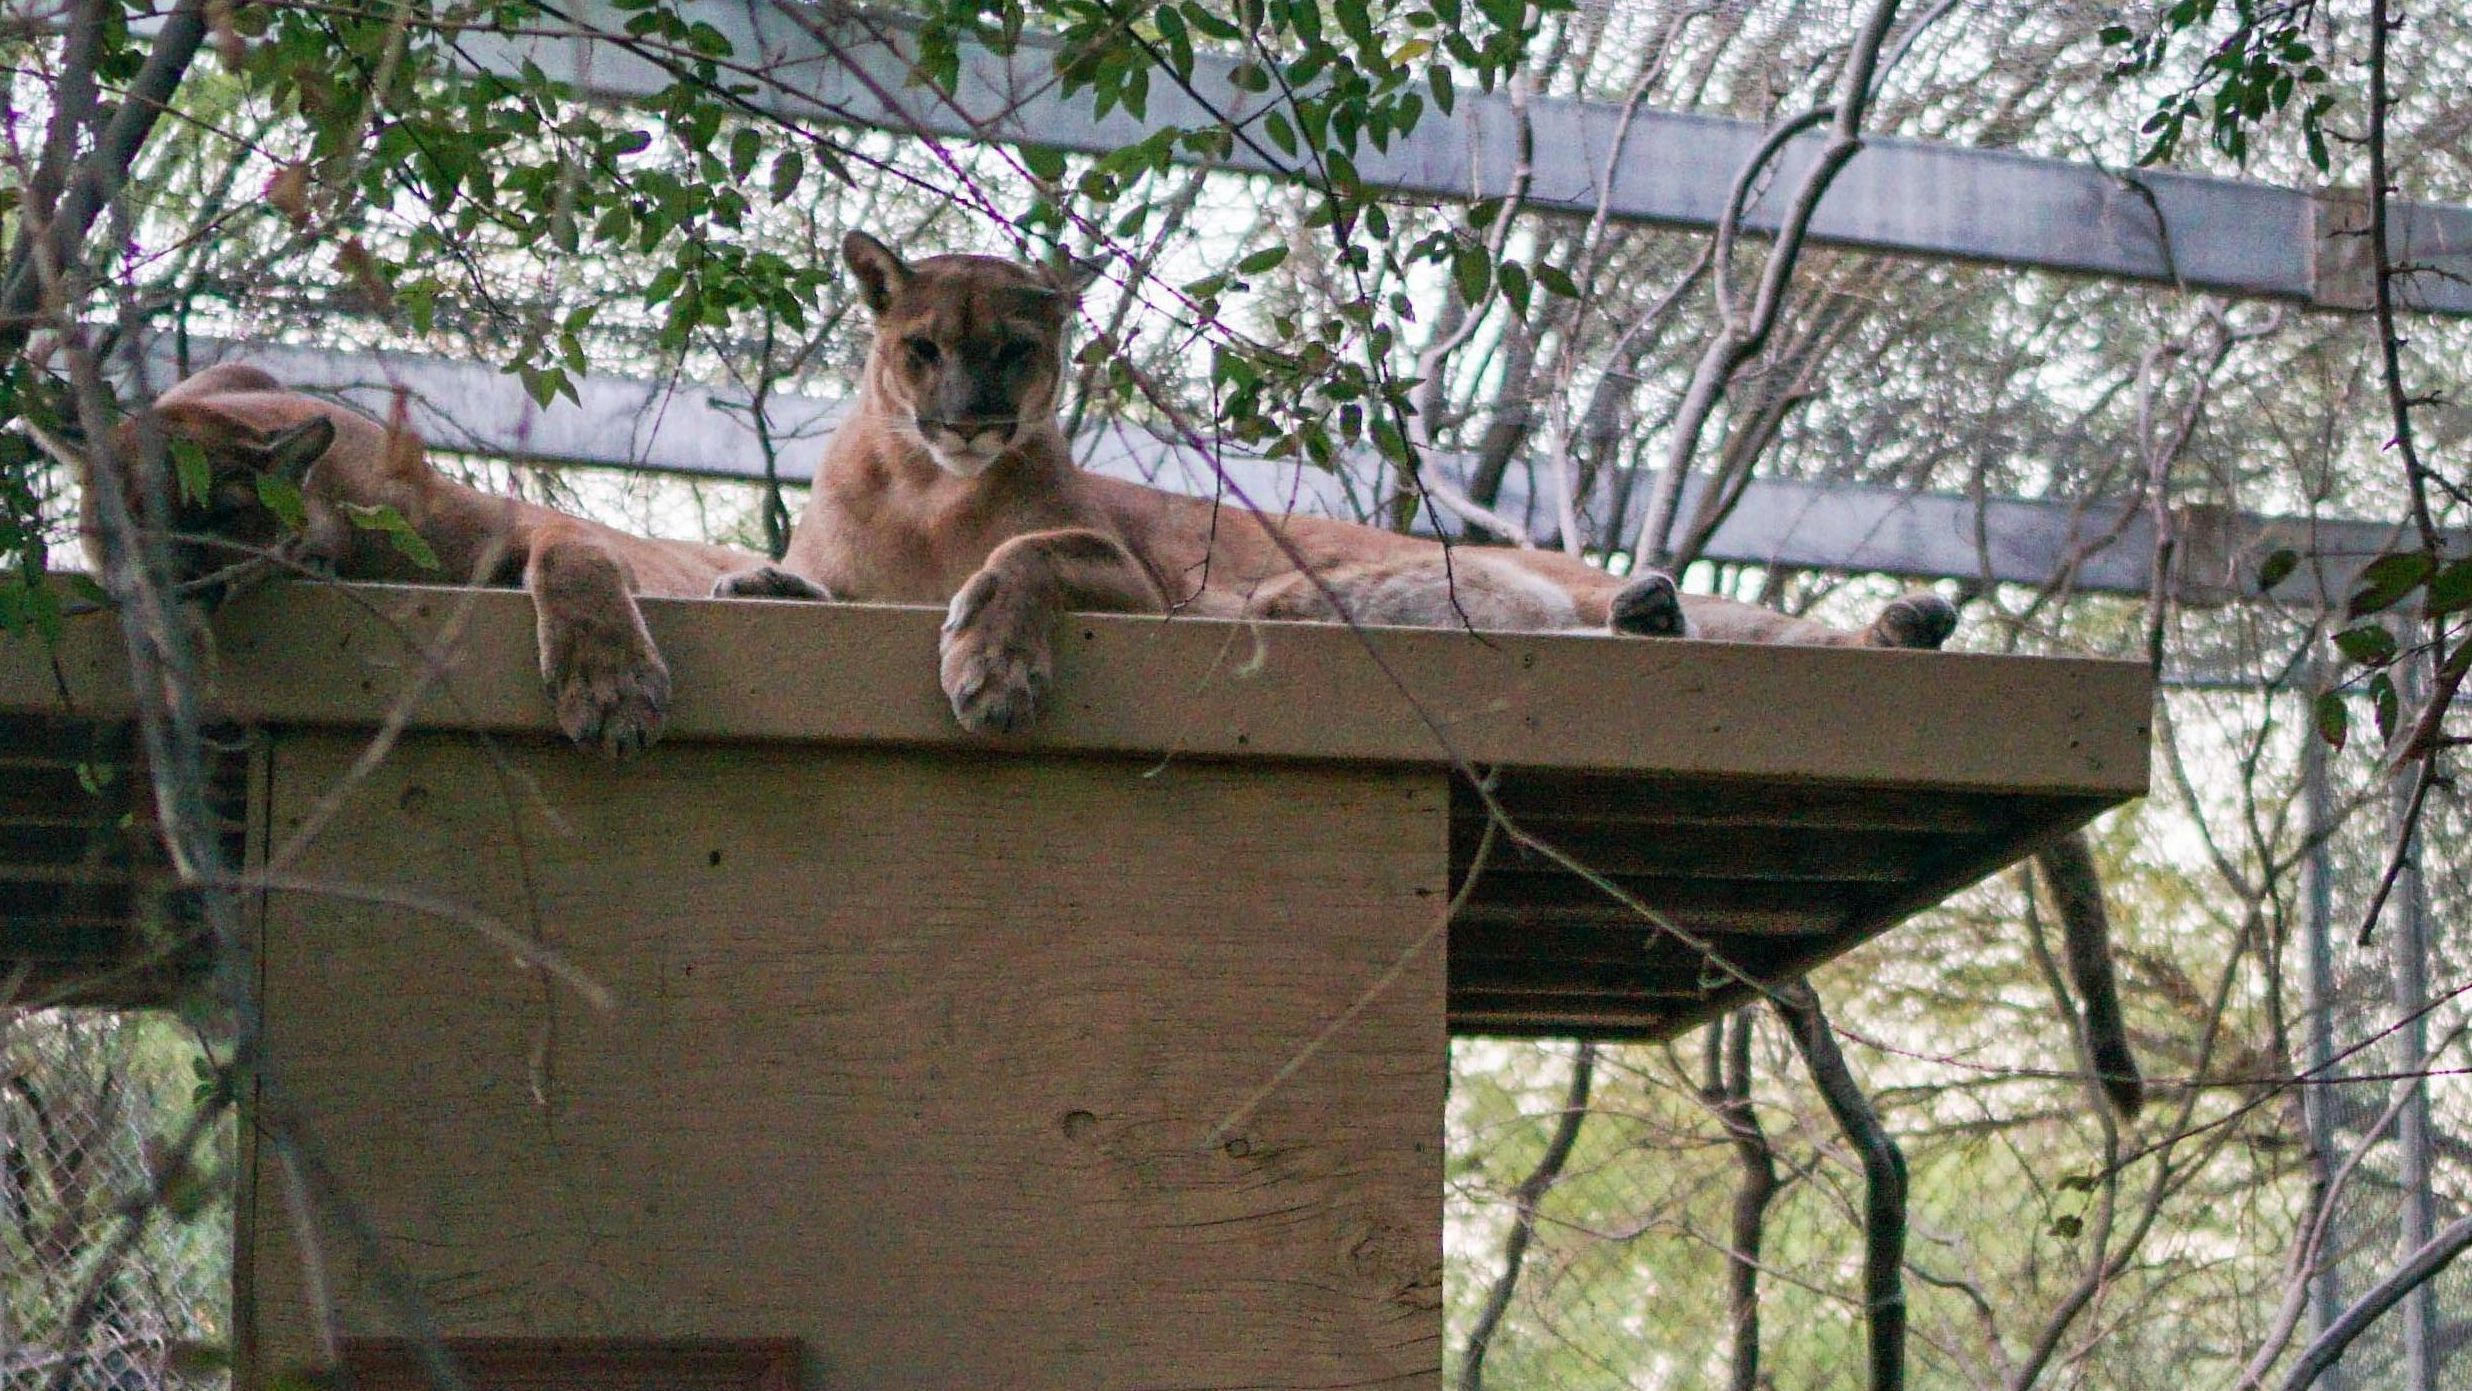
{"type": "Point", "coordinates": [916, 1057]}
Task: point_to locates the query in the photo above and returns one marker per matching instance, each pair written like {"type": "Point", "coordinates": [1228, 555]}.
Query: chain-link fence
{"type": "Point", "coordinates": [92, 1106]}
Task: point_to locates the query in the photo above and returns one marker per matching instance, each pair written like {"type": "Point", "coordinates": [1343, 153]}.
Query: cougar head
{"type": "Point", "coordinates": [969, 350]}
{"type": "Point", "coordinates": [220, 449]}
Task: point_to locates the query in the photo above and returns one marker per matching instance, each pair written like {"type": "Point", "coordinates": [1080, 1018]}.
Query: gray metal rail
{"type": "Point", "coordinates": [1904, 197]}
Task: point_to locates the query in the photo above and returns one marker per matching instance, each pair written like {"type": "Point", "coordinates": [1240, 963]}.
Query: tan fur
{"type": "Point", "coordinates": [598, 663]}
{"type": "Point", "coordinates": [951, 481]}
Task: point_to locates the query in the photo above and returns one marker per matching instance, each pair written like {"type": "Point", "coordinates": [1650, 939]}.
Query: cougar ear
{"type": "Point", "coordinates": [290, 451]}
{"type": "Point", "coordinates": [880, 273]}
{"type": "Point", "coordinates": [1076, 274]}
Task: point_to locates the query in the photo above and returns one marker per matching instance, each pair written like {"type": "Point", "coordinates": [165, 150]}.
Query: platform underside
{"type": "Point", "coordinates": [1689, 894]}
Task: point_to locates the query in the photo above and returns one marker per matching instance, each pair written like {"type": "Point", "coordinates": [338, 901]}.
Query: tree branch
{"type": "Point", "coordinates": [1524, 1200]}
{"type": "Point", "coordinates": [1740, 338]}
{"type": "Point", "coordinates": [1884, 1179]}
{"type": "Point", "coordinates": [2416, 1271]}
{"type": "Point", "coordinates": [99, 177]}
{"type": "Point", "coordinates": [1730, 1096]}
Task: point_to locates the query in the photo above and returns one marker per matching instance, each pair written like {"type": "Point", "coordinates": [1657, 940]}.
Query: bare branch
{"type": "Point", "coordinates": [1884, 1179]}
{"type": "Point", "coordinates": [1740, 337]}
{"type": "Point", "coordinates": [100, 176]}
{"type": "Point", "coordinates": [2416, 1271]}
{"type": "Point", "coordinates": [1524, 1201]}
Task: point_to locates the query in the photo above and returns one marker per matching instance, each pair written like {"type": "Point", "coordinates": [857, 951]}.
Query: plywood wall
{"type": "Point", "coordinates": [916, 1057]}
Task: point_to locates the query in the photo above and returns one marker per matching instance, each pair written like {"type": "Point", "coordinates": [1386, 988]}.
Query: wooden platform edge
{"type": "Point", "coordinates": [348, 655]}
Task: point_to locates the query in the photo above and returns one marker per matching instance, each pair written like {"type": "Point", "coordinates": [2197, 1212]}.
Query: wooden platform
{"type": "Point", "coordinates": [1778, 805]}
{"type": "Point", "coordinates": [1109, 1058]}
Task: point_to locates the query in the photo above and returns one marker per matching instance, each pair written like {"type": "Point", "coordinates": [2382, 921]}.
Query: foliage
{"type": "Point", "coordinates": [409, 168]}
{"type": "Point", "coordinates": [2247, 77]}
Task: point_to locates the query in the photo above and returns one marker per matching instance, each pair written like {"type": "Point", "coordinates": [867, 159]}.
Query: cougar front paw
{"type": "Point", "coordinates": [1922, 620]}
{"type": "Point", "coordinates": [996, 663]}
{"type": "Point", "coordinates": [768, 582]}
{"type": "Point", "coordinates": [611, 692]}
{"type": "Point", "coordinates": [1650, 606]}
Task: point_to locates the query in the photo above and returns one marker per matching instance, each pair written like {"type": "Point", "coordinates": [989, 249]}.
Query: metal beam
{"type": "Point", "coordinates": [1905, 197]}
{"type": "Point", "coordinates": [698, 432]}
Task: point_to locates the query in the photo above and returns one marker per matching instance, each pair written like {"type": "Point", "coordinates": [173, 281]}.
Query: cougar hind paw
{"type": "Point", "coordinates": [1650, 606]}
{"type": "Point", "coordinates": [768, 582]}
{"type": "Point", "coordinates": [1923, 621]}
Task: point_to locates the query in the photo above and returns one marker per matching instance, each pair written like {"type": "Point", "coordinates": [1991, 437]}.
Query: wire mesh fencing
{"type": "Point", "coordinates": [2046, 1244]}
{"type": "Point", "coordinates": [115, 1262]}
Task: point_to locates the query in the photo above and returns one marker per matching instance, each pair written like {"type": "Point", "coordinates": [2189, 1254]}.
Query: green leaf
{"type": "Point", "coordinates": [2386, 580]}
{"type": "Point", "coordinates": [1179, 42]}
{"type": "Point", "coordinates": [2277, 568]}
{"type": "Point", "coordinates": [282, 497]}
{"type": "Point", "coordinates": [86, 587]}
{"type": "Point", "coordinates": [787, 170]}
{"type": "Point", "coordinates": [1265, 259]}
{"type": "Point", "coordinates": [1471, 271]}
{"type": "Point", "coordinates": [1557, 281]}
{"type": "Point", "coordinates": [1043, 162]}
{"type": "Point", "coordinates": [195, 476]}
{"type": "Point", "coordinates": [1394, 445]}
{"type": "Point", "coordinates": [1281, 133]}
{"type": "Point", "coordinates": [2368, 644]}
{"type": "Point", "coordinates": [2334, 720]}
{"type": "Point", "coordinates": [386, 519]}
{"type": "Point", "coordinates": [1514, 277]}
{"type": "Point", "coordinates": [1206, 19]}
{"type": "Point", "coordinates": [2450, 589]}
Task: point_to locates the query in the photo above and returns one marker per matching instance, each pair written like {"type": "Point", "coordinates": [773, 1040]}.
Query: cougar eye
{"type": "Point", "coordinates": [922, 350]}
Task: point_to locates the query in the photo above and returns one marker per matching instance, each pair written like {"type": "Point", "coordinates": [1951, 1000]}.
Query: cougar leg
{"type": "Point", "coordinates": [996, 657]}
{"type": "Point", "coordinates": [604, 676]}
